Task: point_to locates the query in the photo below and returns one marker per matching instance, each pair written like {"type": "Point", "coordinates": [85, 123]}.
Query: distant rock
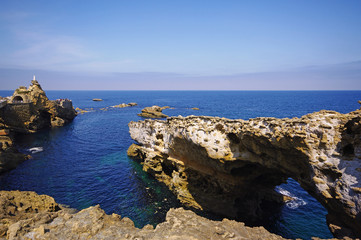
{"type": "Point", "coordinates": [97, 99]}
{"type": "Point", "coordinates": [153, 112]}
{"type": "Point", "coordinates": [195, 108]}
{"type": "Point", "coordinates": [79, 110]}
{"type": "Point", "coordinates": [123, 105]}
{"type": "Point", "coordinates": [26, 215]}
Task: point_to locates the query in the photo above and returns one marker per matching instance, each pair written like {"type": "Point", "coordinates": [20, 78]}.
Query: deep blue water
{"type": "Point", "coordinates": [85, 162]}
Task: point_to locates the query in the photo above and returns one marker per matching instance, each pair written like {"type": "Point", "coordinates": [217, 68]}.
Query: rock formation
{"type": "Point", "coordinates": [231, 167]}
{"type": "Point", "coordinates": [30, 110]}
{"type": "Point", "coordinates": [27, 111]}
{"type": "Point", "coordinates": [10, 157]}
{"type": "Point", "coordinates": [123, 105]}
{"type": "Point", "coordinates": [153, 112]}
{"type": "Point", "coordinates": [26, 215]}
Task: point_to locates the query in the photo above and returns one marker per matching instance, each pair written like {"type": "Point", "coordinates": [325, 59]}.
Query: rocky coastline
{"type": "Point", "coordinates": [27, 215]}
{"type": "Point", "coordinates": [28, 110]}
{"type": "Point", "coordinates": [231, 167]}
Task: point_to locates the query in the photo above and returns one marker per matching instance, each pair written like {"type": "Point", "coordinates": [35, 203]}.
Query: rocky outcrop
{"type": "Point", "coordinates": [27, 111]}
{"type": "Point", "coordinates": [231, 167]}
{"type": "Point", "coordinates": [26, 215]}
{"type": "Point", "coordinates": [30, 110]}
{"type": "Point", "coordinates": [153, 112]}
{"type": "Point", "coordinates": [123, 105]}
{"type": "Point", "coordinates": [10, 157]}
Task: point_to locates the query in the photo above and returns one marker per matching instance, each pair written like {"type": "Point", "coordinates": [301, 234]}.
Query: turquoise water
{"type": "Point", "coordinates": [85, 162]}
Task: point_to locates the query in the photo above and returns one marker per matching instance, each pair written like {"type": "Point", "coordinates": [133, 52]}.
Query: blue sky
{"type": "Point", "coordinates": [209, 45]}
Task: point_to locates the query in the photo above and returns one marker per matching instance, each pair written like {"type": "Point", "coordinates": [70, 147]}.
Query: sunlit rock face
{"type": "Point", "coordinates": [231, 167]}
{"type": "Point", "coordinates": [27, 215]}
{"type": "Point", "coordinates": [29, 110]}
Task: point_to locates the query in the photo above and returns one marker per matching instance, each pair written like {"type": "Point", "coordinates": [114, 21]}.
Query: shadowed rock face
{"type": "Point", "coordinates": [26, 215]}
{"type": "Point", "coordinates": [231, 167]}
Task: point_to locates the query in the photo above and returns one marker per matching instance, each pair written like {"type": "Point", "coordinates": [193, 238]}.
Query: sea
{"type": "Point", "coordinates": [85, 163]}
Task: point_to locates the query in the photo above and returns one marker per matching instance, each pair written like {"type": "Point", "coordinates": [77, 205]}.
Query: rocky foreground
{"type": "Point", "coordinates": [231, 167]}
{"type": "Point", "coordinates": [26, 215]}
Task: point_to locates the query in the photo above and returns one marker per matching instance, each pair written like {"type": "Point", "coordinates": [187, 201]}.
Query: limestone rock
{"type": "Point", "coordinates": [97, 99]}
{"type": "Point", "coordinates": [26, 215]}
{"type": "Point", "coordinates": [30, 110]}
{"type": "Point", "coordinates": [153, 112]}
{"type": "Point", "coordinates": [123, 105]}
{"type": "Point", "coordinates": [231, 167]}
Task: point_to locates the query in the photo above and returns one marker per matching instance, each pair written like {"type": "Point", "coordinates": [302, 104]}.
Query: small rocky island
{"type": "Point", "coordinates": [28, 110]}
{"type": "Point", "coordinates": [231, 167]}
{"type": "Point", "coordinates": [153, 112]}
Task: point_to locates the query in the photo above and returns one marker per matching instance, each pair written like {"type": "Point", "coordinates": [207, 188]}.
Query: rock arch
{"type": "Point", "coordinates": [232, 166]}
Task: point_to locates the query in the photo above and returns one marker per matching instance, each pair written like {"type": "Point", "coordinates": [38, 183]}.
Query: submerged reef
{"type": "Point", "coordinates": [26, 215]}
{"type": "Point", "coordinates": [28, 110]}
{"type": "Point", "coordinates": [231, 167]}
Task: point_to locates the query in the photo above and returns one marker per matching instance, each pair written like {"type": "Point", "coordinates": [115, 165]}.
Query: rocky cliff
{"type": "Point", "coordinates": [231, 167]}
{"type": "Point", "coordinates": [26, 215]}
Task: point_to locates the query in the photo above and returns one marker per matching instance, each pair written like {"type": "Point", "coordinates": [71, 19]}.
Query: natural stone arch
{"type": "Point", "coordinates": [17, 99]}
{"type": "Point", "coordinates": [213, 163]}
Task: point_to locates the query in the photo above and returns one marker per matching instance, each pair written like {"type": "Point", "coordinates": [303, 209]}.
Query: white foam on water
{"type": "Point", "coordinates": [295, 202]}
{"type": "Point", "coordinates": [36, 149]}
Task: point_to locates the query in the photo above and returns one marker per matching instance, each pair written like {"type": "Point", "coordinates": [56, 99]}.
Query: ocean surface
{"type": "Point", "coordinates": [85, 163]}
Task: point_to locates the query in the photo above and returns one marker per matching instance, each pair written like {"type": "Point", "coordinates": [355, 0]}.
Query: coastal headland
{"type": "Point", "coordinates": [231, 167]}
{"type": "Point", "coordinates": [28, 110]}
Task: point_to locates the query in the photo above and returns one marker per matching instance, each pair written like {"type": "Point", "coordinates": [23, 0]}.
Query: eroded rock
{"type": "Point", "coordinates": [26, 215]}
{"type": "Point", "coordinates": [231, 167]}
{"type": "Point", "coordinates": [153, 112]}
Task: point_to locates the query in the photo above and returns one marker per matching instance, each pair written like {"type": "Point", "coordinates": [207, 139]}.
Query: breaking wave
{"type": "Point", "coordinates": [35, 150]}
{"type": "Point", "coordinates": [295, 202]}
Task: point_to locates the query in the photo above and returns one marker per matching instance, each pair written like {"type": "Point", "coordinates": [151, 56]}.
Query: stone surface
{"type": "Point", "coordinates": [97, 99]}
{"type": "Point", "coordinates": [26, 215]}
{"type": "Point", "coordinates": [123, 105]}
{"type": "Point", "coordinates": [30, 110]}
{"type": "Point", "coordinates": [153, 112]}
{"type": "Point", "coordinates": [231, 167]}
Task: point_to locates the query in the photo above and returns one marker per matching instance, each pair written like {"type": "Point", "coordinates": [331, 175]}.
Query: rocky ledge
{"type": "Point", "coordinates": [26, 215]}
{"type": "Point", "coordinates": [231, 167]}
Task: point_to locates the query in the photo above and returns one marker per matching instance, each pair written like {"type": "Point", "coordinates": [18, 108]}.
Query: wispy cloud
{"type": "Point", "coordinates": [34, 46]}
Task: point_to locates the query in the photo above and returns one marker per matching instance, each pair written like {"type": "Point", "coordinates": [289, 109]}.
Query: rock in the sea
{"type": "Point", "coordinates": [26, 215]}
{"type": "Point", "coordinates": [97, 99]}
{"type": "Point", "coordinates": [10, 157]}
{"type": "Point", "coordinates": [30, 110]}
{"type": "Point", "coordinates": [123, 105]}
{"type": "Point", "coordinates": [153, 112]}
{"type": "Point", "coordinates": [195, 108]}
{"type": "Point", "coordinates": [231, 167]}
{"type": "Point", "coordinates": [81, 111]}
